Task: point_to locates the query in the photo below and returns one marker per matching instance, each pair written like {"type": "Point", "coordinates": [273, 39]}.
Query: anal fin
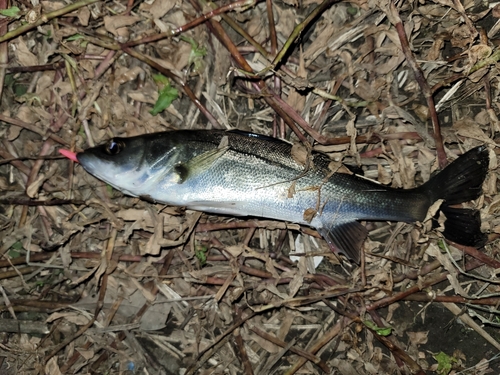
{"type": "Point", "coordinates": [346, 238]}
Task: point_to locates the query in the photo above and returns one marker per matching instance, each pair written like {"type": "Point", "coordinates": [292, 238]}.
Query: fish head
{"type": "Point", "coordinates": [123, 163]}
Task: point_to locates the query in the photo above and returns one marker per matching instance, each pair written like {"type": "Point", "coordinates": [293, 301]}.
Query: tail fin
{"type": "Point", "coordinates": [459, 182]}
{"type": "Point", "coordinates": [463, 226]}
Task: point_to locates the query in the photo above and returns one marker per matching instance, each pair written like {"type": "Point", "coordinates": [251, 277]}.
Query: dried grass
{"type": "Point", "coordinates": [97, 282]}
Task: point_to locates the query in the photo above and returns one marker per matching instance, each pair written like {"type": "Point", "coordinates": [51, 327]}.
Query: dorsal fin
{"type": "Point", "coordinates": [257, 136]}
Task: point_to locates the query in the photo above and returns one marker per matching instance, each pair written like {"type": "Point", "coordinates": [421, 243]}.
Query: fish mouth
{"type": "Point", "coordinates": [96, 168]}
{"type": "Point", "coordinates": [90, 164]}
{"type": "Point", "coordinates": [107, 172]}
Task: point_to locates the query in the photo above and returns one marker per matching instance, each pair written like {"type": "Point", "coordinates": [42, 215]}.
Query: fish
{"type": "Point", "coordinates": [246, 174]}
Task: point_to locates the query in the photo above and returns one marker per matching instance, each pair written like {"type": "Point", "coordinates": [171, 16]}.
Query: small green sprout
{"type": "Point", "coordinates": [201, 254]}
{"type": "Point", "coordinates": [166, 94]}
{"type": "Point", "coordinates": [196, 56]}
{"type": "Point", "coordinates": [382, 331]}
{"type": "Point", "coordinates": [12, 12]}
{"type": "Point", "coordinates": [445, 363]}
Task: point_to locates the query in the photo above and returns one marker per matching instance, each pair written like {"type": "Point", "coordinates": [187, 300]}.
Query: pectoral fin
{"type": "Point", "coordinates": [198, 164]}
{"type": "Point", "coordinates": [346, 238]}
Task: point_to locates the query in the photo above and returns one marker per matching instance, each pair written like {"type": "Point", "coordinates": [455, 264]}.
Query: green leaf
{"type": "Point", "coordinates": [9, 79]}
{"type": "Point", "coordinates": [14, 251]}
{"type": "Point", "coordinates": [196, 55]}
{"type": "Point", "coordinates": [201, 254]}
{"type": "Point", "coordinates": [352, 11]}
{"type": "Point", "coordinates": [161, 80]}
{"type": "Point", "coordinates": [382, 331]}
{"type": "Point", "coordinates": [13, 254]}
{"type": "Point", "coordinates": [20, 90]}
{"type": "Point", "coordinates": [166, 95]}
{"type": "Point", "coordinates": [109, 189]}
{"type": "Point", "coordinates": [442, 245]}
{"type": "Point", "coordinates": [17, 245]}
{"type": "Point", "coordinates": [445, 363]}
{"type": "Point", "coordinates": [75, 37]}
{"type": "Point", "coordinates": [12, 12]}
{"type": "Point", "coordinates": [196, 50]}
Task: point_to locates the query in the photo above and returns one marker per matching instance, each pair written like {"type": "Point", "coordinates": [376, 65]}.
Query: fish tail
{"type": "Point", "coordinates": [461, 181]}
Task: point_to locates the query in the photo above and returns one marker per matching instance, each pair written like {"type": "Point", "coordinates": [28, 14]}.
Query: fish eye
{"type": "Point", "coordinates": [114, 147]}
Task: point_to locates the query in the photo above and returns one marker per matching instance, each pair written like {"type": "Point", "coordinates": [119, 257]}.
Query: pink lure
{"type": "Point", "coordinates": [69, 154]}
